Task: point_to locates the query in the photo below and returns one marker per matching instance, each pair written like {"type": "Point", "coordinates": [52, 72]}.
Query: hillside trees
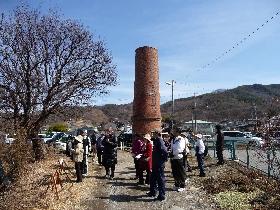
{"type": "Point", "coordinates": [46, 63]}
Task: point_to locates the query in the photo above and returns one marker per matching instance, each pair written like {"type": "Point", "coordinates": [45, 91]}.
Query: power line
{"type": "Point", "coordinates": [237, 44]}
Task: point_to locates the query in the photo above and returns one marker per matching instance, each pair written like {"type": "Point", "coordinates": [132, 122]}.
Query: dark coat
{"type": "Point", "coordinates": [109, 157]}
{"type": "Point", "coordinates": [220, 141]}
{"type": "Point", "coordinates": [160, 154]}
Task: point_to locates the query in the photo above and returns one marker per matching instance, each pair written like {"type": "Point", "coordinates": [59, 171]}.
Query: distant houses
{"type": "Point", "coordinates": [203, 127]}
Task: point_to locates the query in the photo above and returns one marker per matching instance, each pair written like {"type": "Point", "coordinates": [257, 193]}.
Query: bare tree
{"type": "Point", "coordinates": [47, 62]}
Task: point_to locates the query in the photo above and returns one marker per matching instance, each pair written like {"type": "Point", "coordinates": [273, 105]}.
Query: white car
{"type": "Point", "coordinates": [257, 141]}
{"type": "Point", "coordinates": [49, 136]}
{"type": "Point", "coordinates": [236, 136]}
{"type": "Point", "coordinates": [60, 144]}
{"type": "Point", "coordinates": [9, 140]}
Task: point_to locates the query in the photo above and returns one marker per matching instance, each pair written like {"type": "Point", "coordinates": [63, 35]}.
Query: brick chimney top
{"type": "Point", "coordinates": [145, 47]}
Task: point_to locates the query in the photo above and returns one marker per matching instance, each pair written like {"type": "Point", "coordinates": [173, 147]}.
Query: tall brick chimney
{"type": "Point", "coordinates": [146, 104]}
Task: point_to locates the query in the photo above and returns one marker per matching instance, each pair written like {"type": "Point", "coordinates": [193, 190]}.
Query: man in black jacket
{"type": "Point", "coordinates": [159, 157]}
{"type": "Point", "coordinates": [109, 157]}
{"type": "Point", "coordinates": [219, 145]}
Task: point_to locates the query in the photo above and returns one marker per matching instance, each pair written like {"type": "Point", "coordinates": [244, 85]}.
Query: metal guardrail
{"type": "Point", "coordinates": [234, 147]}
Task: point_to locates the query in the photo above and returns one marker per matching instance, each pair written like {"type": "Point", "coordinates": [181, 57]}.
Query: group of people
{"type": "Point", "coordinates": [105, 147]}
{"type": "Point", "coordinates": [150, 151]}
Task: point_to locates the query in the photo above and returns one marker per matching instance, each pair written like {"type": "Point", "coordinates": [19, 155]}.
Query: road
{"type": "Point", "coordinates": [123, 192]}
{"type": "Point", "coordinates": [257, 159]}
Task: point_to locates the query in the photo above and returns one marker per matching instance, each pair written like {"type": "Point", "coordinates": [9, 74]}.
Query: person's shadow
{"type": "Point", "coordinates": [128, 198]}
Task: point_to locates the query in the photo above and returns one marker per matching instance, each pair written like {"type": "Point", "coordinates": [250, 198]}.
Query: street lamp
{"type": "Point", "coordinates": [172, 88]}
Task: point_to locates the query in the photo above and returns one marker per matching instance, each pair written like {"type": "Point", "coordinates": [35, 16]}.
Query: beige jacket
{"type": "Point", "coordinates": [78, 149]}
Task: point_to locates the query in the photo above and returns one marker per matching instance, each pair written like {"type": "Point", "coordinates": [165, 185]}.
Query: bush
{"type": "Point", "coordinates": [58, 127]}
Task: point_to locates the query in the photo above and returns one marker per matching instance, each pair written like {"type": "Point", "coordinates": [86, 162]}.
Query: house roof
{"type": "Point", "coordinates": [199, 122]}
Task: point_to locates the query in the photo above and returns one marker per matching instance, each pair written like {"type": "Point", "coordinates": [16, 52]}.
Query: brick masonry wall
{"type": "Point", "coordinates": [146, 104]}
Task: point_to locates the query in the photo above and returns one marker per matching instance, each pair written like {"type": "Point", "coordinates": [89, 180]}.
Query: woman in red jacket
{"type": "Point", "coordinates": [146, 160]}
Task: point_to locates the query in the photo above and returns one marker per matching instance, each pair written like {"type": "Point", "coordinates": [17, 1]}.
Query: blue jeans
{"type": "Point", "coordinates": [200, 162]}
{"type": "Point", "coordinates": [157, 181]}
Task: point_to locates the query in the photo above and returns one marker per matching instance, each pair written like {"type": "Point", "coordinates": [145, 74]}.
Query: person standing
{"type": "Point", "coordinates": [199, 149]}
{"type": "Point", "coordinates": [78, 156]}
{"type": "Point", "coordinates": [186, 152]}
{"type": "Point", "coordinates": [145, 163]}
{"type": "Point", "coordinates": [99, 148]}
{"type": "Point", "coordinates": [137, 152]}
{"type": "Point", "coordinates": [159, 157]}
{"type": "Point", "coordinates": [87, 148]}
{"type": "Point", "coordinates": [109, 157]}
{"type": "Point", "coordinates": [177, 163]}
{"type": "Point", "coordinates": [93, 146]}
{"type": "Point", "coordinates": [219, 145]}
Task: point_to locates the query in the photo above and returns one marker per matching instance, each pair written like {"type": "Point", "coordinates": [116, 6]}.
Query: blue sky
{"type": "Point", "coordinates": [188, 34]}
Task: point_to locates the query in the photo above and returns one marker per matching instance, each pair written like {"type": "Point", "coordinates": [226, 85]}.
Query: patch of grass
{"type": "Point", "coordinates": [233, 200]}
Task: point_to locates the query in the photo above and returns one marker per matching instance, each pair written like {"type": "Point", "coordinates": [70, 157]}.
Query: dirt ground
{"type": "Point", "coordinates": [124, 193]}
{"type": "Point", "coordinates": [230, 186]}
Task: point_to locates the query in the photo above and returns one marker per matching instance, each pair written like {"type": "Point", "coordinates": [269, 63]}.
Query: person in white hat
{"type": "Point", "coordinates": [78, 152]}
{"type": "Point", "coordinates": [87, 148]}
{"type": "Point", "coordinates": [199, 149]}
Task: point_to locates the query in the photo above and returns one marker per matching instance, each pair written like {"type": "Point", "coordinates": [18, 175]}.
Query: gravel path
{"type": "Point", "coordinates": [123, 193]}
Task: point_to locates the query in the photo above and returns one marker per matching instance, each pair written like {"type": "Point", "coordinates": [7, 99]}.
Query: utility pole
{"type": "Point", "coordinates": [172, 96]}
{"type": "Point", "coordinates": [195, 124]}
{"type": "Point", "coordinates": [256, 118]}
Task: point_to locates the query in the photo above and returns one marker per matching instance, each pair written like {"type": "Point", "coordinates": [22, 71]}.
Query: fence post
{"type": "Point", "coordinates": [268, 162]}
{"type": "Point", "coordinates": [233, 150]}
{"type": "Point", "coordinates": [248, 158]}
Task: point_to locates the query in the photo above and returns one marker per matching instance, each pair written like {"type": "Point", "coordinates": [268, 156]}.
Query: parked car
{"type": "Point", "coordinates": [42, 135]}
{"type": "Point", "coordinates": [49, 136]}
{"type": "Point", "coordinates": [6, 138]}
{"type": "Point", "coordinates": [236, 136]}
{"type": "Point", "coordinates": [248, 134]}
{"type": "Point", "coordinates": [126, 138]}
{"type": "Point", "coordinates": [257, 141]}
{"type": "Point", "coordinates": [61, 143]}
{"type": "Point", "coordinates": [56, 136]}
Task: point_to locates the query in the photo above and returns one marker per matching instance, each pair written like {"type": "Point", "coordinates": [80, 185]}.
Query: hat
{"type": "Point", "coordinates": [79, 138]}
{"type": "Point", "coordinates": [147, 136]}
{"type": "Point", "coordinates": [199, 136]}
{"type": "Point", "coordinates": [184, 134]}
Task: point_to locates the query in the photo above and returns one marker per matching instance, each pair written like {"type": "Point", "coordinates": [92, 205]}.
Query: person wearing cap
{"type": "Point", "coordinates": [199, 149]}
{"type": "Point", "coordinates": [87, 148]}
{"type": "Point", "coordinates": [186, 152]}
{"type": "Point", "coordinates": [109, 156]}
{"type": "Point", "coordinates": [219, 145]}
{"type": "Point", "coordinates": [145, 161]}
{"type": "Point", "coordinates": [159, 157]}
{"type": "Point", "coordinates": [78, 152]}
{"type": "Point", "coordinates": [178, 170]}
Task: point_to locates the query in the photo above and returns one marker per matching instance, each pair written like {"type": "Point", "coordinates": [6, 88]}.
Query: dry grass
{"type": "Point", "coordinates": [30, 190]}
{"type": "Point", "coordinates": [233, 185]}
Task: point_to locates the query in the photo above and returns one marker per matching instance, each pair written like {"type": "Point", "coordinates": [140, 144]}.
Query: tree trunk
{"type": "Point", "coordinates": [38, 148]}
{"type": "Point", "coordinates": [38, 145]}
